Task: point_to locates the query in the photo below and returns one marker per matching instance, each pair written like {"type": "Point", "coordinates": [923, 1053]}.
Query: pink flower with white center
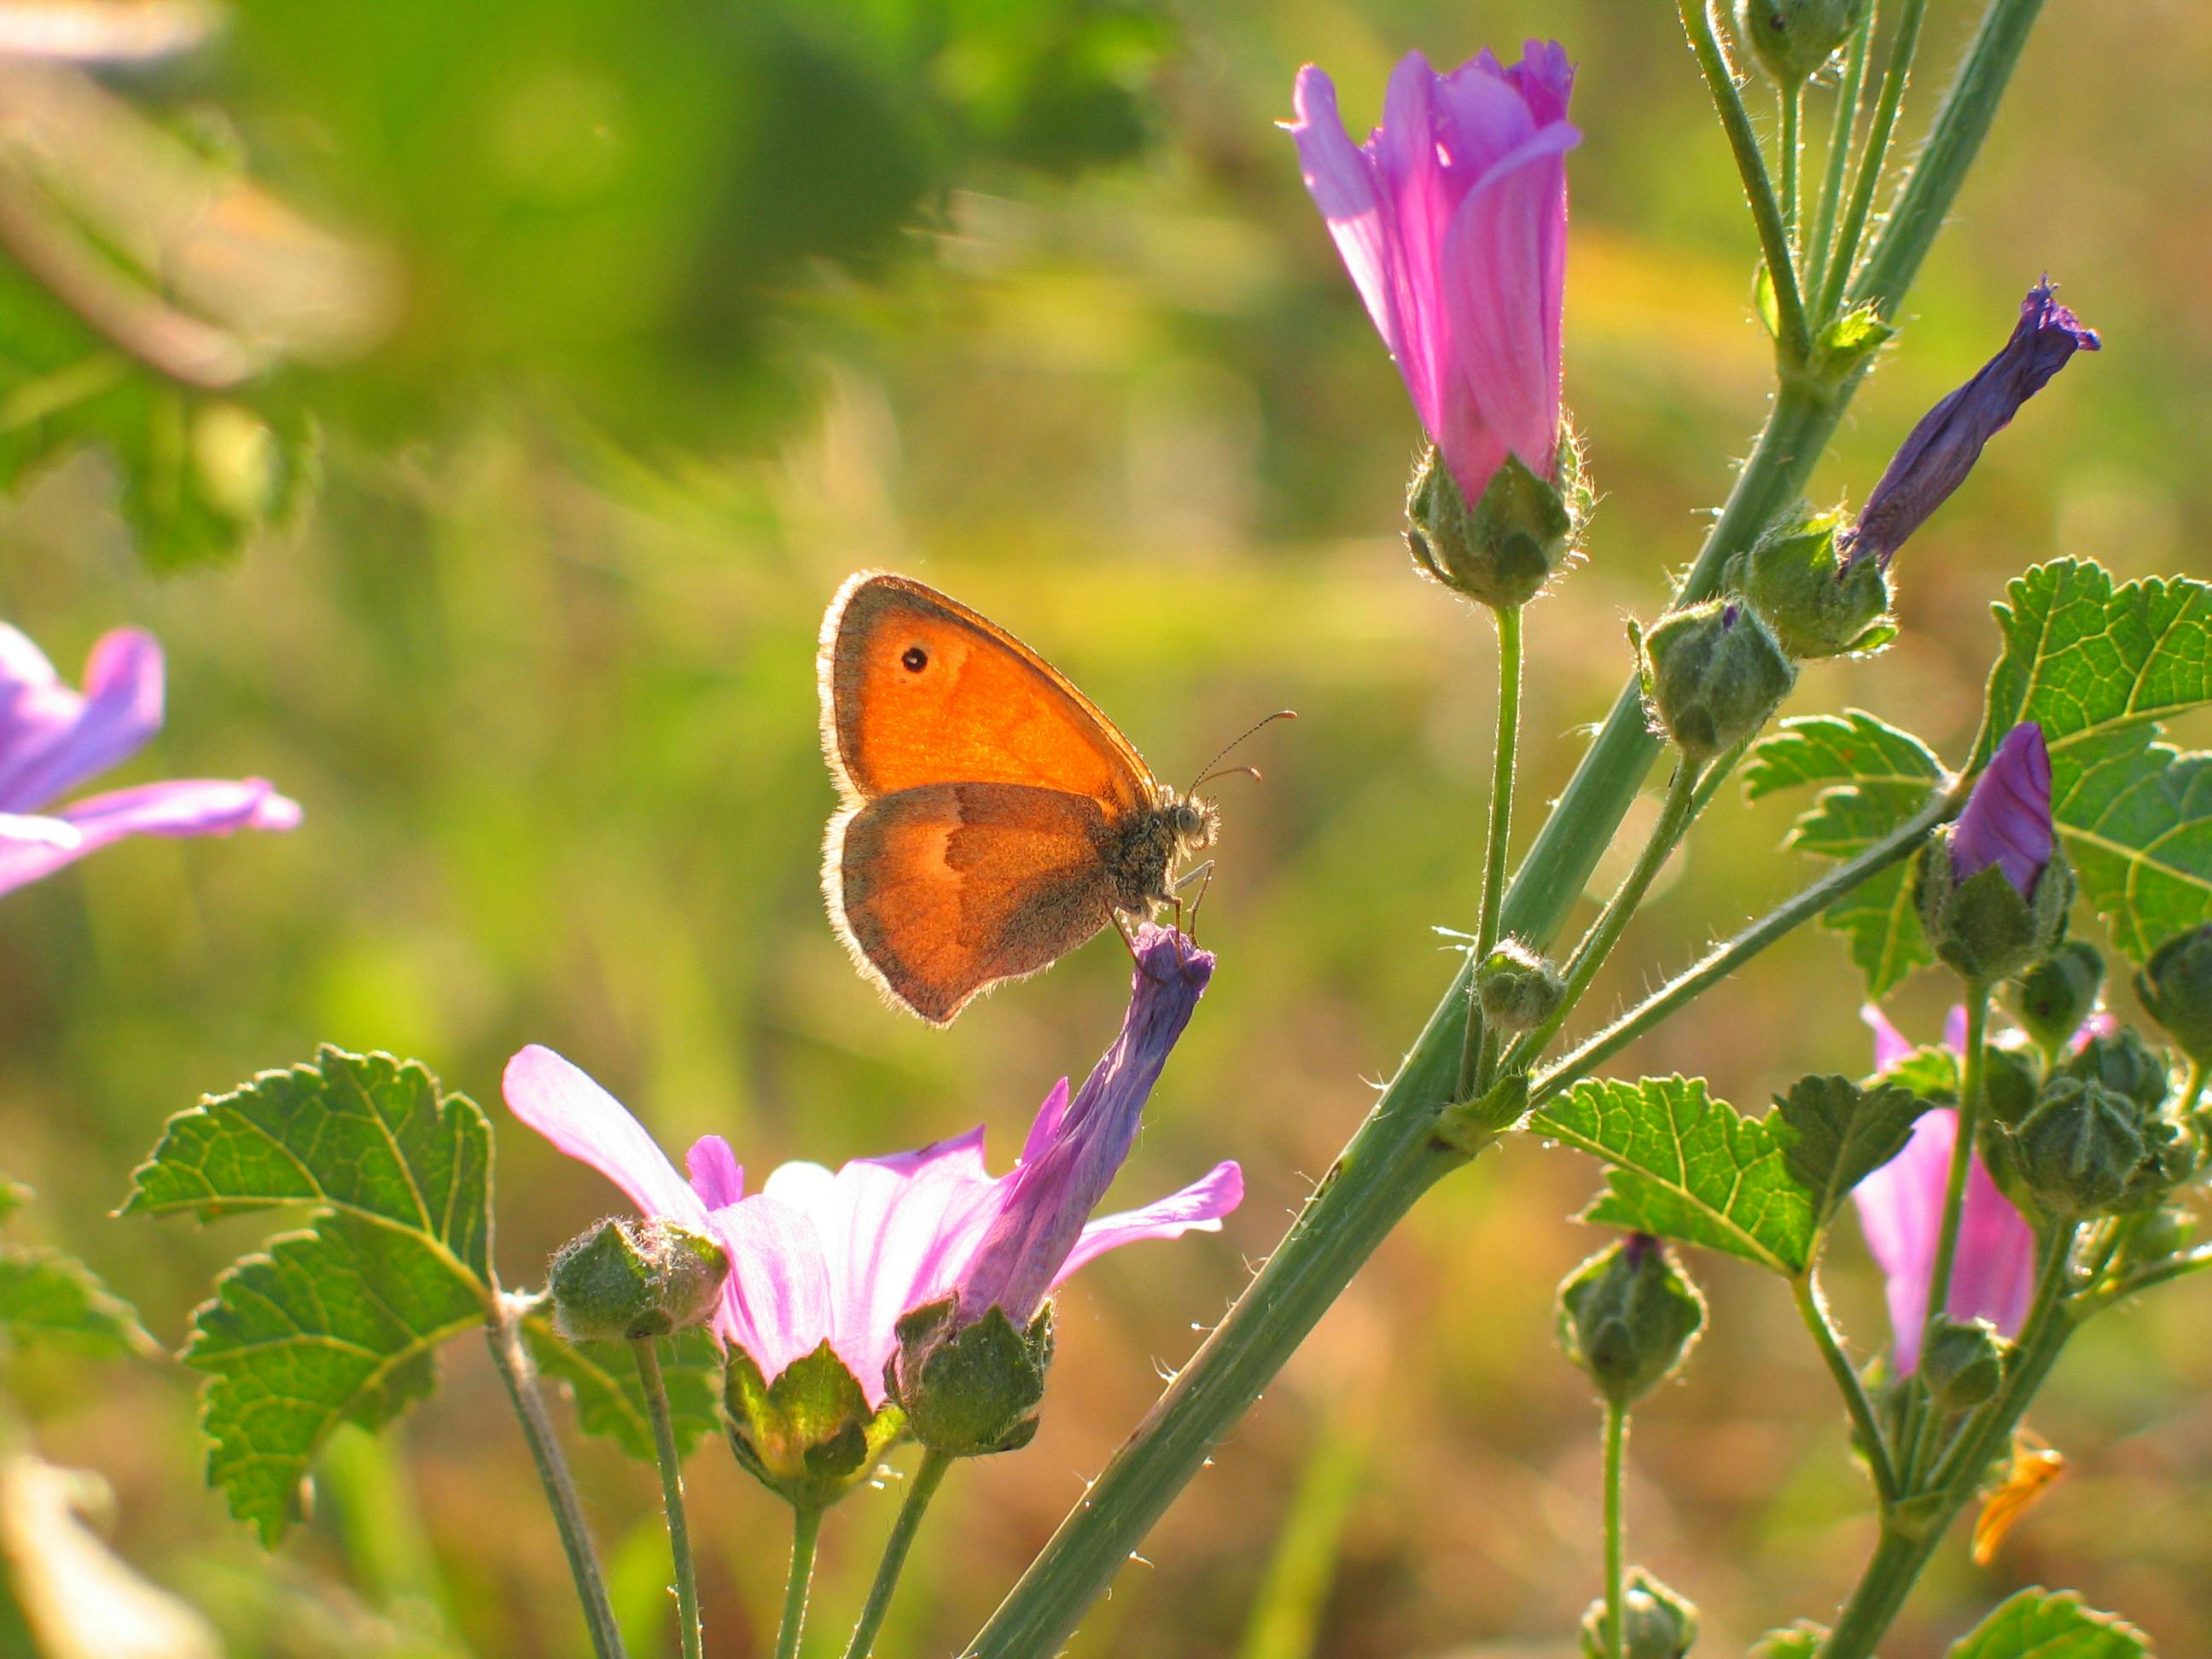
{"type": "Point", "coordinates": [1452, 219]}
{"type": "Point", "coordinates": [820, 1256]}
{"type": "Point", "coordinates": [1900, 1209]}
{"type": "Point", "coordinates": [52, 739]}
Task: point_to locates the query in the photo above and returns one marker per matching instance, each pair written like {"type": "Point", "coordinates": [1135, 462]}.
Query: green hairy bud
{"type": "Point", "coordinates": [1627, 1316]}
{"type": "Point", "coordinates": [626, 1280]}
{"type": "Point", "coordinates": [2053, 998]}
{"type": "Point", "coordinates": [1712, 675]}
{"type": "Point", "coordinates": [969, 1391]}
{"type": "Point", "coordinates": [2126, 1064]}
{"type": "Point", "coordinates": [1982, 926]}
{"type": "Point", "coordinates": [1816, 604]}
{"type": "Point", "coordinates": [2082, 1152]}
{"type": "Point", "coordinates": [1518, 989]}
{"type": "Point", "coordinates": [1656, 1622]}
{"type": "Point", "coordinates": [1793, 39]}
{"type": "Point", "coordinates": [2176, 988]}
{"type": "Point", "coordinates": [1501, 550]}
{"type": "Point", "coordinates": [1963, 1364]}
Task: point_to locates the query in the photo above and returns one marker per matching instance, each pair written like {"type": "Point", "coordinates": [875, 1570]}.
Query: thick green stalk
{"type": "Point", "coordinates": [927, 1479]}
{"type": "Point", "coordinates": [805, 1533]}
{"type": "Point", "coordinates": [1814, 1312]}
{"type": "Point", "coordinates": [1616, 1549]}
{"type": "Point", "coordinates": [1840, 132]}
{"type": "Point", "coordinates": [504, 1337]}
{"type": "Point", "coordinates": [672, 1494]}
{"type": "Point", "coordinates": [1501, 831]}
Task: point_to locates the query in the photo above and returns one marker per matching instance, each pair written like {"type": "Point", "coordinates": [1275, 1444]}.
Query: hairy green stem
{"type": "Point", "coordinates": [1814, 1312]}
{"type": "Point", "coordinates": [806, 1534]}
{"type": "Point", "coordinates": [671, 1493]}
{"type": "Point", "coordinates": [1971, 1082]}
{"type": "Point", "coordinates": [1758, 188]}
{"type": "Point", "coordinates": [1840, 132]}
{"type": "Point", "coordinates": [1867, 179]}
{"type": "Point", "coordinates": [503, 1335]}
{"type": "Point", "coordinates": [927, 1479]}
{"type": "Point", "coordinates": [1792, 140]}
{"type": "Point", "coordinates": [1500, 840]}
{"type": "Point", "coordinates": [1616, 1552]}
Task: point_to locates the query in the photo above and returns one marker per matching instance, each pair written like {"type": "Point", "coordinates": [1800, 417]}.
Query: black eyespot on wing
{"type": "Point", "coordinates": [914, 659]}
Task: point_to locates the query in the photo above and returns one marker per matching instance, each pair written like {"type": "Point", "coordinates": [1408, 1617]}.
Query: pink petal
{"type": "Point", "coordinates": [31, 831]}
{"type": "Point", "coordinates": [1198, 1207]}
{"type": "Point", "coordinates": [715, 1173]}
{"type": "Point", "coordinates": [1545, 78]}
{"type": "Point", "coordinates": [1994, 1277]}
{"type": "Point", "coordinates": [1954, 1031]}
{"type": "Point", "coordinates": [778, 1295]}
{"type": "Point", "coordinates": [51, 739]}
{"type": "Point", "coordinates": [180, 808]}
{"type": "Point", "coordinates": [1890, 1046]}
{"type": "Point", "coordinates": [584, 1120]}
{"type": "Point", "coordinates": [1901, 1207]}
{"type": "Point", "coordinates": [1044, 1128]}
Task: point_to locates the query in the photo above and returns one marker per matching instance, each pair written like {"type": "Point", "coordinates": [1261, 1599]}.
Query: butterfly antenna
{"type": "Point", "coordinates": [1208, 773]}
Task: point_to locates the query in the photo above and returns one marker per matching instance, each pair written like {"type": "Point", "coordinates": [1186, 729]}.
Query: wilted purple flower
{"type": "Point", "coordinates": [2006, 818]}
{"type": "Point", "coordinates": [1940, 451]}
{"type": "Point", "coordinates": [1452, 219]}
{"type": "Point", "coordinates": [817, 1256]}
{"type": "Point", "coordinates": [52, 739]}
{"type": "Point", "coordinates": [1900, 1209]}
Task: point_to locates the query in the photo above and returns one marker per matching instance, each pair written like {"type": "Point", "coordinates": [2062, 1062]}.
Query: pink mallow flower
{"type": "Point", "coordinates": [52, 739]}
{"type": "Point", "coordinates": [1900, 1209]}
{"type": "Point", "coordinates": [1452, 219]}
{"type": "Point", "coordinates": [817, 1256]}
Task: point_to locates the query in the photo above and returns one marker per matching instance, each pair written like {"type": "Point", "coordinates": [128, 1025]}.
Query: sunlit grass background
{"type": "Point", "coordinates": [709, 304]}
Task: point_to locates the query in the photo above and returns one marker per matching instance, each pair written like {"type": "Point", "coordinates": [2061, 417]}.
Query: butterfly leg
{"type": "Point", "coordinates": [1203, 875]}
{"type": "Point", "coordinates": [1122, 928]}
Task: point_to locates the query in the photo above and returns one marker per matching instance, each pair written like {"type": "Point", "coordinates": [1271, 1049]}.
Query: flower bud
{"type": "Point", "coordinates": [1817, 603]}
{"type": "Point", "coordinates": [2176, 988]}
{"type": "Point", "coordinates": [626, 1280]}
{"type": "Point", "coordinates": [971, 1390]}
{"type": "Point", "coordinates": [1502, 550]}
{"type": "Point", "coordinates": [2057, 996]}
{"type": "Point", "coordinates": [1655, 1623]}
{"type": "Point", "coordinates": [1712, 675]}
{"type": "Point", "coordinates": [1518, 989]}
{"type": "Point", "coordinates": [1793, 39]}
{"type": "Point", "coordinates": [2126, 1065]}
{"type": "Point", "coordinates": [1627, 1316]}
{"type": "Point", "coordinates": [2081, 1151]}
{"type": "Point", "coordinates": [1963, 1364]}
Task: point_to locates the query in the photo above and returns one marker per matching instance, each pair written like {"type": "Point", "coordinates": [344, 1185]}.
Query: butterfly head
{"type": "Point", "coordinates": [1195, 822]}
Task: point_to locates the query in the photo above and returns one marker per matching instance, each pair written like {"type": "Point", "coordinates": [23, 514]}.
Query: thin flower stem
{"type": "Point", "coordinates": [1792, 138]}
{"type": "Point", "coordinates": [927, 1477]}
{"type": "Point", "coordinates": [805, 1533]}
{"type": "Point", "coordinates": [1477, 1040]}
{"type": "Point", "coordinates": [1814, 1310]}
{"type": "Point", "coordinates": [1616, 1440]}
{"type": "Point", "coordinates": [1841, 131]}
{"type": "Point", "coordinates": [503, 1335]}
{"type": "Point", "coordinates": [672, 1494]}
{"type": "Point", "coordinates": [1604, 932]}
{"type": "Point", "coordinates": [1757, 186]}
{"type": "Point", "coordinates": [1971, 1086]}
{"type": "Point", "coordinates": [2174, 1268]}
{"type": "Point", "coordinates": [1868, 180]}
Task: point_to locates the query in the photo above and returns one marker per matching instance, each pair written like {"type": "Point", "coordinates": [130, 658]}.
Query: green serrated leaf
{"type": "Point", "coordinates": [339, 1322]}
{"type": "Point", "coordinates": [1932, 1073]}
{"type": "Point", "coordinates": [1686, 1166]}
{"type": "Point", "coordinates": [1871, 777]}
{"type": "Point", "coordinates": [601, 1378]}
{"type": "Point", "coordinates": [1849, 341]}
{"type": "Point", "coordinates": [2040, 1623]}
{"type": "Point", "coordinates": [1834, 1133]}
{"type": "Point", "coordinates": [2099, 667]}
{"type": "Point", "coordinates": [49, 1297]}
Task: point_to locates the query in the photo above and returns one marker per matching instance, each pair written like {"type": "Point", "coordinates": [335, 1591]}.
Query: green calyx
{"type": "Point", "coordinates": [1712, 675]}
{"type": "Point", "coordinates": [1517, 988]}
{"type": "Point", "coordinates": [626, 1280]}
{"type": "Point", "coordinates": [809, 1436]}
{"type": "Point", "coordinates": [1816, 604]}
{"type": "Point", "coordinates": [2087, 1151]}
{"type": "Point", "coordinates": [2175, 986]}
{"type": "Point", "coordinates": [1656, 1622]}
{"type": "Point", "coordinates": [1963, 1366]}
{"type": "Point", "coordinates": [2053, 998]}
{"type": "Point", "coordinates": [972, 1390]}
{"type": "Point", "coordinates": [1983, 927]}
{"type": "Point", "coordinates": [1793, 40]}
{"type": "Point", "coordinates": [1627, 1316]}
{"type": "Point", "coordinates": [1502, 550]}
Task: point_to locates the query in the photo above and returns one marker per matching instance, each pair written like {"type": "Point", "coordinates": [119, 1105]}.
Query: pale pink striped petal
{"type": "Point", "coordinates": [1198, 1207]}
{"type": "Point", "coordinates": [51, 739]}
{"type": "Point", "coordinates": [568, 1109]}
{"type": "Point", "coordinates": [180, 808]}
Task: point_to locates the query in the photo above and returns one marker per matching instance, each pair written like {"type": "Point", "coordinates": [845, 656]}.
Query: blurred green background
{"type": "Point", "coordinates": [703, 306]}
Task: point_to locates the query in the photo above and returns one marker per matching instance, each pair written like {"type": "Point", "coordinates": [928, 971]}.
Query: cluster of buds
{"type": "Point", "coordinates": [2099, 1138]}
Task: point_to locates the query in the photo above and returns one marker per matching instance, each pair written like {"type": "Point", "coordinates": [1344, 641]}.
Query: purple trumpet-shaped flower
{"type": "Point", "coordinates": [52, 739]}
{"type": "Point", "coordinates": [2006, 818]}
{"type": "Point", "coordinates": [1900, 1209]}
{"type": "Point", "coordinates": [1452, 219]}
{"type": "Point", "coordinates": [1939, 453]}
{"type": "Point", "coordinates": [819, 1256]}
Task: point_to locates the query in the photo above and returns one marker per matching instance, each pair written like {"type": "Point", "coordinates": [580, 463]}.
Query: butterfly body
{"type": "Point", "coordinates": [993, 818]}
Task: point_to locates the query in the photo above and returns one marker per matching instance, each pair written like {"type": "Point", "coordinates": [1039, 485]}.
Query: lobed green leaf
{"type": "Point", "coordinates": [1687, 1167]}
{"type": "Point", "coordinates": [2040, 1623]}
{"type": "Point", "coordinates": [1834, 1133]}
{"type": "Point", "coordinates": [46, 1296]}
{"type": "Point", "coordinates": [339, 1322]}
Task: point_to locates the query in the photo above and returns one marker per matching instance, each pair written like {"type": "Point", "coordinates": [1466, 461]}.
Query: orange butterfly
{"type": "Point", "coordinates": [994, 819]}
